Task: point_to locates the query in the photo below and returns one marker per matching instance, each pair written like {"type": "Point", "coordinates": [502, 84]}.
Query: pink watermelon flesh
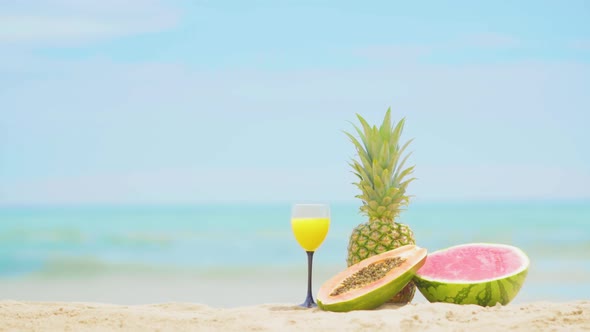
{"type": "Point", "coordinates": [475, 273]}
{"type": "Point", "coordinates": [472, 263]}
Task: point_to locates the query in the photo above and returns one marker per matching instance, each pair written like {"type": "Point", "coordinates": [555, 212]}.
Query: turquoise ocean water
{"type": "Point", "coordinates": [52, 242]}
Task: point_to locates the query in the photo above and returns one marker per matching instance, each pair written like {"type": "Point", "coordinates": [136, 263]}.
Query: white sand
{"type": "Point", "coordinates": [62, 316]}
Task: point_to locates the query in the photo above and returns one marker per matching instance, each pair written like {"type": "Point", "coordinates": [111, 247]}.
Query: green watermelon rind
{"type": "Point", "coordinates": [486, 293]}
{"type": "Point", "coordinates": [374, 298]}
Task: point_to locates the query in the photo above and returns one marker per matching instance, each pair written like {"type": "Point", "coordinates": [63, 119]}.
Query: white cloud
{"type": "Point", "coordinates": [501, 181]}
{"type": "Point", "coordinates": [413, 52]}
{"type": "Point", "coordinates": [490, 40]}
{"type": "Point", "coordinates": [183, 186]}
{"type": "Point", "coordinates": [580, 44]}
{"type": "Point", "coordinates": [407, 52]}
{"type": "Point", "coordinates": [62, 22]}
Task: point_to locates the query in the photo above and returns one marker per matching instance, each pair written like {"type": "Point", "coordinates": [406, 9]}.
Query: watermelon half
{"type": "Point", "coordinates": [477, 273]}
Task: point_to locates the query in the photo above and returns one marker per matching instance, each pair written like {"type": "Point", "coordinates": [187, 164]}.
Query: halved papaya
{"type": "Point", "coordinates": [371, 282]}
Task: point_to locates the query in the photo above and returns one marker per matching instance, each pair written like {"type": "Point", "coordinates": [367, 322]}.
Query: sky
{"type": "Point", "coordinates": [181, 102]}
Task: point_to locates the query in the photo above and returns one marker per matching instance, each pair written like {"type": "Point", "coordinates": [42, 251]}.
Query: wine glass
{"type": "Point", "coordinates": [310, 223]}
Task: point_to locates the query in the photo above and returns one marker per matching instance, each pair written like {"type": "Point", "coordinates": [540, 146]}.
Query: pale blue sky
{"type": "Point", "coordinates": [200, 101]}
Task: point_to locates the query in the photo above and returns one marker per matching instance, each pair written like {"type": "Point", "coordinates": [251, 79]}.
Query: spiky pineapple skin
{"type": "Point", "coordinates": [375, 237]}
{"type": "Point", "coordinates": [383, 180]}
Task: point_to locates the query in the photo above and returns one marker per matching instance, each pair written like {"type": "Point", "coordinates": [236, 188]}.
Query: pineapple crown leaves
{"type": "Point", "coordinates": [383, 180]}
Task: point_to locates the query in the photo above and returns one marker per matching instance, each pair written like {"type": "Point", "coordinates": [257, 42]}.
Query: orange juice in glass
{"type": "Point", "coordinates": [310, 224]}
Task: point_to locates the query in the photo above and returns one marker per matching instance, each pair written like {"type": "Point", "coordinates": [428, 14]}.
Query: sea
{"type": "Point", "coordinates": [85, 241]}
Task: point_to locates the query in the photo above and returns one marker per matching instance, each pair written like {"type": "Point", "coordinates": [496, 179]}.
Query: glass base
{"type": "Point", "coordinates": [309, 303]}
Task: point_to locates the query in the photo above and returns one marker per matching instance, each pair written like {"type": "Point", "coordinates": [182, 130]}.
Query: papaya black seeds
{"type": "Point", "coordinates": [367, 275]}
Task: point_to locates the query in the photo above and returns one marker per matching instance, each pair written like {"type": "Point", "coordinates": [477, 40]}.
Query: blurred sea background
{"type": "Point", "coordinates": [216, 242]}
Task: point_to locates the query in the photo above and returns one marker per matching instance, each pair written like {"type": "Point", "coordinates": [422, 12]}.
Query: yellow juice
{"type": "Point", "coordinates": [310, 232]}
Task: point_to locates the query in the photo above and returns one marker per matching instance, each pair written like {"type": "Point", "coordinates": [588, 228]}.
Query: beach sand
{"type": "Point", "coordinates": [234, 303]}
{"type": "Point", "coordinates": [64, 316]}
{"type": "Point", "coordinates": [76, 304]}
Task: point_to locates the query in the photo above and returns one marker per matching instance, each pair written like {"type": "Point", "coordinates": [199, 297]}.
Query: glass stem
{"type": "Point", "coordinates": [309, 302]}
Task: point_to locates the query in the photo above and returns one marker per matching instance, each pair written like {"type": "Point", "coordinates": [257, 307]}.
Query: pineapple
{"type": "Point", "coordinates": [382, 180]}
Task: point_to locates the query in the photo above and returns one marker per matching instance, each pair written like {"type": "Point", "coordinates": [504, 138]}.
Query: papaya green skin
{"type": "Point", "coordinates": [374, 298]}
{"type": "Point", "coordinates": [484, 294]}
